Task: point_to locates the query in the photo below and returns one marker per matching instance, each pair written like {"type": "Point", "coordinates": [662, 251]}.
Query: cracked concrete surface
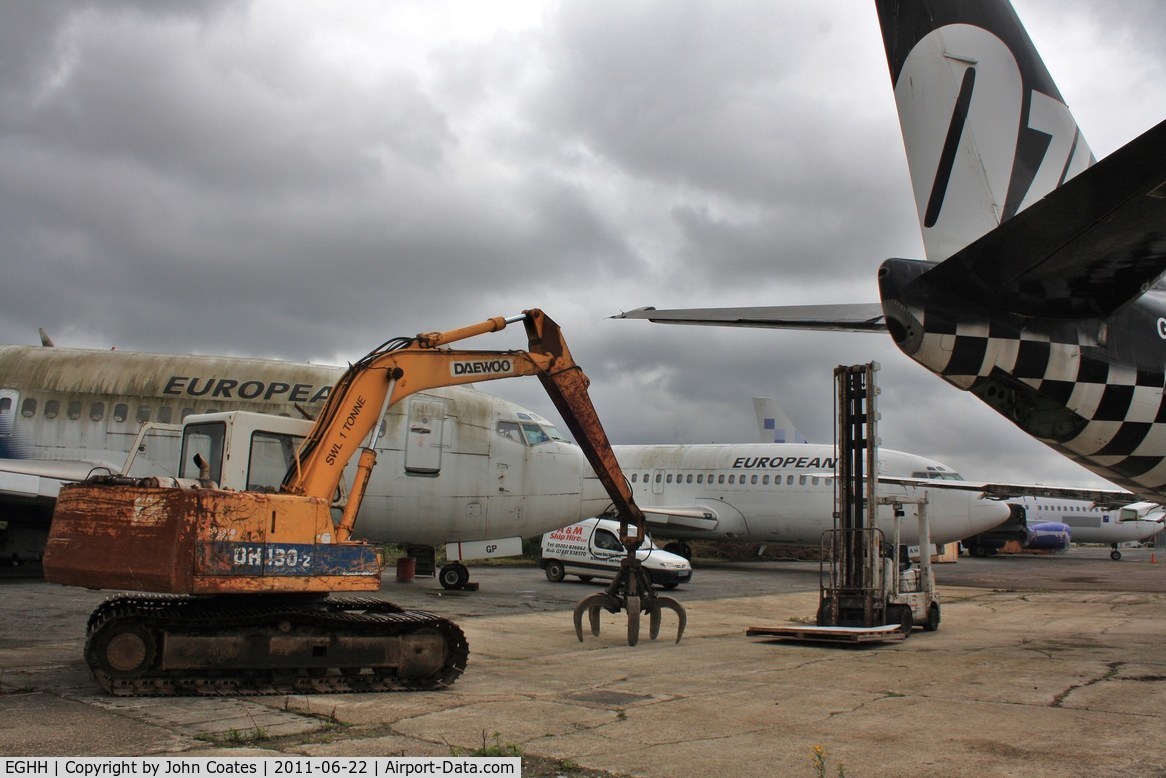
{"type": "Point", "coordinates": [1047, 683]}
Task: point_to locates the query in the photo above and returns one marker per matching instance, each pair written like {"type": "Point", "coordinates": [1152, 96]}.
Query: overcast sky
{"type": "Point", "coordinates": [304, 180]}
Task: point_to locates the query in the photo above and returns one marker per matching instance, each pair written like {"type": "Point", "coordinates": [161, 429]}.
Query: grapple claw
{"type": "Point", "coordinates": [633, 606]}
{"type": "Point", "coordinates": [631, 591]}
{"type": "Point", "coordinates": [673, 605]}
{"type": "Point", "coordinates": [591, 604]}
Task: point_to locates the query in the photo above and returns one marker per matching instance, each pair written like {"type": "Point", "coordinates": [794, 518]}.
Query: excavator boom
{"type": "Point", "coordinates": [402, 367]}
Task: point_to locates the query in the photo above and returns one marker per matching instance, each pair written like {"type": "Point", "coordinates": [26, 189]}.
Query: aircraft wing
{"type": "Point", "coordinates": [689, 517]}
{"type": "Point", "coordinates": [844, 317]}
{"type": "Point", "coordinates": [1102, 498]}
{"type": "Point", "coordinates": [1089, 246]}
{"type": "Point", "coordinates": [32, 479]}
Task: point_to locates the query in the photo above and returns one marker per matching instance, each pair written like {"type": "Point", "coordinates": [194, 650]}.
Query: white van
{"type": "Point", "coordinates": [591, 549]}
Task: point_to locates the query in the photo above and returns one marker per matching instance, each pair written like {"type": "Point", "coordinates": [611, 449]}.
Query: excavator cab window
{"type": "Point", "coordinates": [272, 454]}
{"type": "Point", "coordinates": [207, 440]}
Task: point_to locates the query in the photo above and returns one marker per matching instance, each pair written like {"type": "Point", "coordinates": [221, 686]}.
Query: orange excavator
{"type": "Point", "coordinates": [233, 584]}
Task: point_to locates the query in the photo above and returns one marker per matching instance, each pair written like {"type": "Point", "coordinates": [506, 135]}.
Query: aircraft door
{"type": "Point", "coordinates": [658, 481]}
{"type": "Point", "coordinates": [9, 400]}
{"type": "Point", "coordinates": [425, 436]}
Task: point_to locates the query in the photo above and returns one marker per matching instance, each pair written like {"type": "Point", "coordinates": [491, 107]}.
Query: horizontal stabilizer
{"type": "Point", "coordinates": [844, 317]}
{"type": "Point", "coordinates": [1084, 250]}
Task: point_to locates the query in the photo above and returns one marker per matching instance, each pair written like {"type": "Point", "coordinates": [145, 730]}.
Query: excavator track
{"type": "Point", "coordinates": [226, 645]}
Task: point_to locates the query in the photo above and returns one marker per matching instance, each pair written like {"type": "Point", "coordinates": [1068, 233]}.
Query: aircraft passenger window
{"type": "Point", "coordinates": [96, 411]}
{"type": "Point", "coordinates": [165, 414]}
{"type": "Point", "coordinates": [510, 431]}
{"type": "Point", "coordinates": [789, 479]}
{"type": "Point", "coordinates": [143, 413]}
{"type": "Point", "coordinates": [688, 478]}
{"type": "Point", "coordinates": [52, 408]}
{"type": "Point", "coordinates": [801, 480]}
{"type": "Point", "coordinates": [668, 480]}
{"type": "Point", "coordinates": [185, 412]}
{"type": "Point", "coordinates": [121, 412]}
{"type": "Point", "coordinates": [28, 407]}
{"type": "Point", "coordinates": [659, 477]}
{"type": "Point", "coordinates": [765, 480]}
{"type": "Point", "coordinates": [634, 476]}
{"type": "Point", "coordinates": [732, 479]}
{"type": "Point", "coordinates": [753, 479]}
{"type": "Point", "coordinates": [74, 409]}
{"type": "Point", "coordinates": [700, 478]}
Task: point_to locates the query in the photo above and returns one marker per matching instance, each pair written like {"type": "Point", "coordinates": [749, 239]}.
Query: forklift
{"type": "Point", "coordinates": [869, 590]}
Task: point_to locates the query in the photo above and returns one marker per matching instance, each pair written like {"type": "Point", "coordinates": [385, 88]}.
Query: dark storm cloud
{"type": "Point", "coordinates": [306, 180]}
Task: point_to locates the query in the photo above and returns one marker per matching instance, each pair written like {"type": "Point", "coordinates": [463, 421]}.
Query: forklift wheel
{"type": "Point", "coordinates": [932, 622]}
{"type": "Point", "coordinates": [902, 615]}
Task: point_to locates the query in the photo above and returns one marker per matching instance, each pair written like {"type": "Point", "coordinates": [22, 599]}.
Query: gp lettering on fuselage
{"type": "Point", "coordinates": [482, 367]}
{"type": "Point", "coordinates": [777, 463]}
{"type": "Point", "coordinates": [232, 389]}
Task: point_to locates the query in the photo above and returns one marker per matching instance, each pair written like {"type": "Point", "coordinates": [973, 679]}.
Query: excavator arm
{"type": "Point", "coordinates": [351, 420]}
{"type": "Point", "coordinates": [401, 367]}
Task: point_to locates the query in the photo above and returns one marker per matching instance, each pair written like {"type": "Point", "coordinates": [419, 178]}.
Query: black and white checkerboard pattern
{"type": "Point", "coordinates": [1121, 433]}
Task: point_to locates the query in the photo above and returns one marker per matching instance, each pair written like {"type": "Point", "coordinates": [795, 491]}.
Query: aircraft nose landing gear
{"type": "Point", "coordinates": [630, 590]}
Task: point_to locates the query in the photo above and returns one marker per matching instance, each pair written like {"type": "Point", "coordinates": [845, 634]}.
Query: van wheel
{"type": "Point", "coordinates": [555, 571]}
{"type": "Point", "coordinates": [454, 576]}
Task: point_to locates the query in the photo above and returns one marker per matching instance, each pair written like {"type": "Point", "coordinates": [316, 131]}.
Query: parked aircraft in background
{"type": "Point", "coordinates": [1040, 294]}
{"type": "Point", "coordinates": [456, 465]}
{"type": "Point", "coordinates": [1049, 522]}
{"type": "Point", "coordinates": [1085, 522]}
{"type": "Point", "coordinates": [782, 494]}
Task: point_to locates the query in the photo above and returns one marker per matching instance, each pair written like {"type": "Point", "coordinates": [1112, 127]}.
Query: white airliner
{"type": "Point", "coordinates": [1089, 523]}
{"type": "Point", "coordinates": [782, 494]}
{"type": "Point", "coordinates": [1052, 521]}
{"type": "Point", "coordinates": [455, 466]}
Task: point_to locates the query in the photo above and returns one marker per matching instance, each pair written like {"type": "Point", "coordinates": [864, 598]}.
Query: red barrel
{"type": "Point", "coordinates": [406, 569]}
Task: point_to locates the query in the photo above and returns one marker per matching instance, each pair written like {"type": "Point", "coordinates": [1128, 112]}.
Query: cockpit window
{"type": "Point", "coordinates": [529, 433]}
